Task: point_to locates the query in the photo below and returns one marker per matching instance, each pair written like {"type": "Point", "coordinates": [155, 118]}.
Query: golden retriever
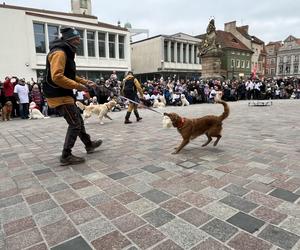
{"type": "Point", "coordinates": [100, 110]}
{"type": "Point", "coordinates": [6, 111]}
{"type": "Point", "coordinates": [189, 129]}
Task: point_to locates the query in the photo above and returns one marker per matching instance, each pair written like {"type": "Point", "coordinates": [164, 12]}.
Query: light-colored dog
{"type": "Point", "coordinates": [100, 110]}
{"type": "Point", "coordinates": [34, 113]}
{"type": "Point", "coordinates": [184, 101]}
{"type": "Point", "coordinates": [158, 104]}
{"type": "Point", "coordinates": [162, 99]}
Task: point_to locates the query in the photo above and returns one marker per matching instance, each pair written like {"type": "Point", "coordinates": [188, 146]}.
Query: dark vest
{"type": "Point", "coordinates": [50, 89]}
{"type": "Point", "coordinates": [130, 89]}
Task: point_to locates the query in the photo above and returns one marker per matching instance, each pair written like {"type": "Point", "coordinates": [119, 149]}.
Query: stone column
{"type": "Point", "coordinates": [85, 47]}
{"type": "Point", "coordinates": [106, 45]}
{"type": "Point", "coordinates": [97, 45]}
{"type": "Point", "coordinates": [181, 52]}
{"type": "Point", "coordinates": [175, 52]}
{"type": "Point", "coordinates": [187, 53]}
{"type": "Point", "coordinates": [117, 46]}
{"type": "Point", "coordinates": [193, 54]}
{"type": "Point", "coordinates": [169, 51]}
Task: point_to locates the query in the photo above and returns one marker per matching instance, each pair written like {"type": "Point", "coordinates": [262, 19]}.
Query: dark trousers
{"type": "Point", "coordinates": [24, 110]}
{"type": "Point", "coordinates": [76, 127]}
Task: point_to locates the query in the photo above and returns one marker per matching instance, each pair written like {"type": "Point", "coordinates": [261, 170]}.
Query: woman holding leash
{"type": "Point", "coordinates": [129, 89]}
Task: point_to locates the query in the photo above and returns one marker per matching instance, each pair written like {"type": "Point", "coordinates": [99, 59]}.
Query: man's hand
{"type": "Point", "coordinates": [82, 87]}
{"type": "Point", "coordinates": [91, 84]}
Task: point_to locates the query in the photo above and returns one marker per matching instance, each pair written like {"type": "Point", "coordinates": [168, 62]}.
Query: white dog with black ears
{"type": "Point", "coordinates": [35, 113]}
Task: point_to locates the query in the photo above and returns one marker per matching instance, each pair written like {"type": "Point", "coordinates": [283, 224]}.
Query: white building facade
{"type": "Point", "coordinates": [27, 33]}
{"type": "Point", "coordinates": [288, 58]}
{"type": "Point", "coordinates": [164, 55]}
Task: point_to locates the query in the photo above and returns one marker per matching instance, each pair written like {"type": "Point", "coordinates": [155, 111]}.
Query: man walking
{"type": "Point", "coordinates": [58, 87]}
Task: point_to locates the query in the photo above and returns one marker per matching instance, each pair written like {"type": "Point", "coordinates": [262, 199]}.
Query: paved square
{"type": "Point", "coordinates": [133, 193]}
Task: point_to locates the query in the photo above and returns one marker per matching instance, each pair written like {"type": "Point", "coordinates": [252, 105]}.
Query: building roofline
{"type": "Point", "coordinates": [99, 24]}
{"type": "Point", "coordinates": [6, 6]}
{"type": "Point", "coordinates": [146, 39]}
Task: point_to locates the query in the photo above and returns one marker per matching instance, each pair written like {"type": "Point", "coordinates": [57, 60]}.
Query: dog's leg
{"type": "Point", "coordinates": [218, 139]}
{"type": "Point", "coordinates": [208, 140]}
{"type": "Point", "coordinates": [108, 117]}
{"type": "Point", "coordinates": [183, 143]}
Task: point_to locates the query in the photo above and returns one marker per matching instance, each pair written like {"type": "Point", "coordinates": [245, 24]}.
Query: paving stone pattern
{"type": "Point", "coordinates": [133, 193]}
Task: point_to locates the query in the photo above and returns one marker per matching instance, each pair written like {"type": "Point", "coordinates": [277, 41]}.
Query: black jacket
{"type": "Point", "coordinates": [50, 89]}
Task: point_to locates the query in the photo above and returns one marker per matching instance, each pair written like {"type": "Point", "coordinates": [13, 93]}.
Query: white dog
{"type": "Point", "coordinates": [184, 101]}
{"type": "Point", "coordinates": [34, 112]}
{"type": "Point", "coordinates": [100, 110]}
{"type": "Point", "coordinates": [162, 99]}
{"type": "Point", "coordinates": [158, 104]}
{"type": "Point", "coordinates": [167, 123]}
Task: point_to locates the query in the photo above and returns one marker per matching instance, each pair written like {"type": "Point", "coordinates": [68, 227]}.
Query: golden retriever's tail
{"type": "Point", "coordinates": [80, 105]}
{"type": "Point", "coordinates": [226, 109]}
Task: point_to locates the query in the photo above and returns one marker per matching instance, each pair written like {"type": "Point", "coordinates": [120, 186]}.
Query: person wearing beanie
{"type": "Point", "coordinates": [129, 89]}
{"type": "Point", "coordinates": [58, 87]}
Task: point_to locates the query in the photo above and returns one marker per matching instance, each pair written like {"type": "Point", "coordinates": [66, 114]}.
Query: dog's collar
{"type": "Point", "coordinates": [182, 120]}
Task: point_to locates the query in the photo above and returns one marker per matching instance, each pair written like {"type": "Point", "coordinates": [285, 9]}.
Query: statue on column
{"type": "Point", "coordinates": [209, 44]}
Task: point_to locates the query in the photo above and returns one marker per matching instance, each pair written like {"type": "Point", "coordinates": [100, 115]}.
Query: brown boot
{"type": "Point", "coordinates": [127, 121]}
{"type": "Point", "coordinates": [138, 118]}
{"type": "Point", "coordinates": [71, 160]}
{"type": "Point", "coordinates": [91, 148]}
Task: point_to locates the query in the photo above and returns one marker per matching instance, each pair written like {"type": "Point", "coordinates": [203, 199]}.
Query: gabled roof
{"type": "Point", "coordinates": [228, 40]}
{"type": "Point", "coordinates": [244, 31]}
{"type": "Point", "coordinates": [6, 6]}
{"type": "Point", "coordinates": [256, 40]}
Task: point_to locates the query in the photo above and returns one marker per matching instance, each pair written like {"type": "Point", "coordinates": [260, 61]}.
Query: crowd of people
{"type": "Point", "coordinates": [21, 92]}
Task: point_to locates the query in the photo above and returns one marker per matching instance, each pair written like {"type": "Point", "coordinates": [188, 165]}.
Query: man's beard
{"type": "Point", "coordinates": [72, 46]}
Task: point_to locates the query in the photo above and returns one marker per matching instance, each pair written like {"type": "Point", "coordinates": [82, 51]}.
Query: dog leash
{"type": "Point", "coordinates": [138, 103]}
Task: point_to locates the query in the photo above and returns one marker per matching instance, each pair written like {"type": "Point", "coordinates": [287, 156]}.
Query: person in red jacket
{"type": "Point", "coordinates": [8, 92]}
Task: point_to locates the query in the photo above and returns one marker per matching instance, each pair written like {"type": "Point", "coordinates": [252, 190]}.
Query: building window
{"type": "Point", "coordinates": [80, 50]}
{"type": "Point", "coordinates": [83, 4]}
{"type": "Point", "coordinates": [295, 69]}
{"type": "Point", "coordinates": [287, 69]}
{"type": "Point", "coordinates": [280, 59]}
{"type": "Point", "coordinates": [178, 53]}
{"type": "Point", "coordinates": [247, 64]}
{"type": "Point", "coordinates": [101, 44]}
{"type": "Point", "coordinates": [39, 37]}
{"type": "Point", "coordinates": [184, 53]}
{"type": "Point", "coordinates": [232, 63]}
{"type": "Point", "coordinates": [121, 47]}
{"type": "Point", "coordinates": [288, 59]}
{"type": "Point", "coordinates": [52, 33]}
{"type": "Point", "coordinates": [272, 72]}
{"type": "Point", "coordinates": [195, 54]}
{"type": "Point", "coordinates": [91, 43]}
{"type": "Point", "coordinates": [111, 45]}
{"type": "Point", "coordinates": [237, 63]}
{"type": "Point", "coordinates": [166, 51]}
{"type": "Point", "coordinates": [267, 71]}
{"type": "Point", "coordinates": [172, 52]}
{"type": "Point", "coordinates": [296, 58]}
{"type": "Point", "coordinates": [242, 64]}
{"type": "Point", "coordinates": [280, 69]}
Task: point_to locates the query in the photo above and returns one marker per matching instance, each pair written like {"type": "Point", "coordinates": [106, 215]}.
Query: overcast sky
{"type": "Point", "coordinates": [269, 20]}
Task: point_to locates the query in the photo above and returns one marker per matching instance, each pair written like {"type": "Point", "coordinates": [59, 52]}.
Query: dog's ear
{"type": "Point", "coordinates": [166, 114]}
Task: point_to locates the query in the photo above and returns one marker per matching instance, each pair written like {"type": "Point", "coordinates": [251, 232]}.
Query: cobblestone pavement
{"type": "Point", "coordinates": [133, 194]}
